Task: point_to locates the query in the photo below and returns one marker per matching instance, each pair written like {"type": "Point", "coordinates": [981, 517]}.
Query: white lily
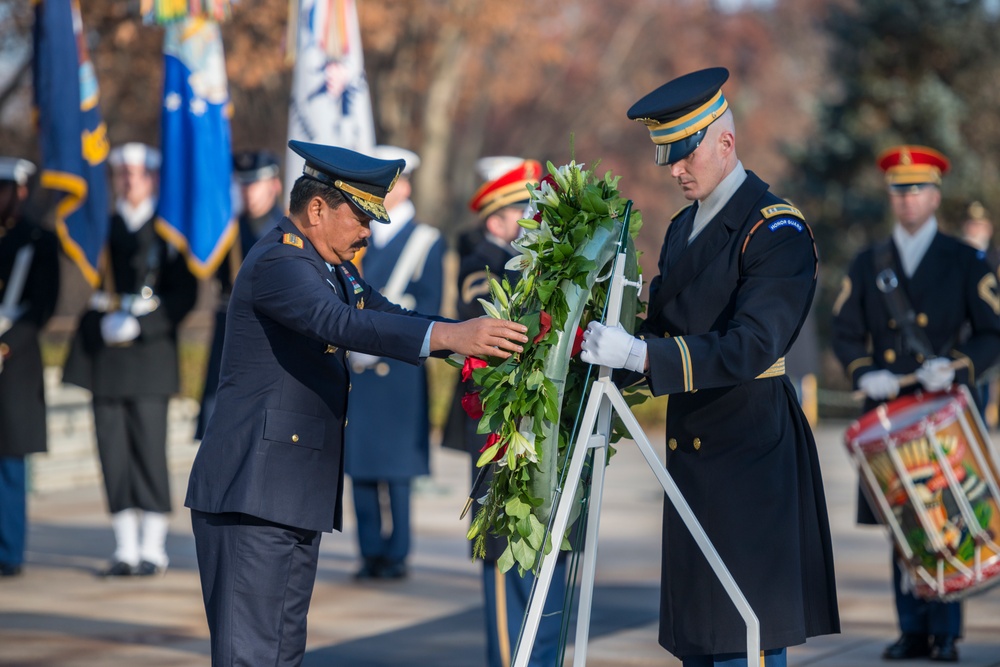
{"type": "Point", "coordinates": [545, 194]}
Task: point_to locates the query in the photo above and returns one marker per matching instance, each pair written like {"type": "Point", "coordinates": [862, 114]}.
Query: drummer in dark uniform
{"type": "Point", "coordinates": [257, 174]}
{"type": "Point", "coordinates": [29, 286]}
{"type": "Point", "coordinates": [916, 302]}
{"type": "Point", "coordinates": [499, 203]}
{"type": "Point", "coordinates": [737, 274]}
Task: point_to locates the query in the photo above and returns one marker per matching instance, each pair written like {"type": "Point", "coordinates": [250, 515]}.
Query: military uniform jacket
{"type": "Point", "coordinates": [722, 311]}
{"type": "Point", "coordinates": [22, 395]}
{"type": "Point", "coordinates": [953, 294]}
{"type": "Point", "coordinates": [147, 366]}
{"type": "Point", "coordinates": [273, 448]}
{"type": "Point", "coordinates": [397, 448]}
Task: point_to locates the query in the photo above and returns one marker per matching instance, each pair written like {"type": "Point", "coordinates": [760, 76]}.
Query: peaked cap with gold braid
{"type": "Point", "coordinates": [506, 189]}
{"type": "Point", "coordinates": [909, 167]}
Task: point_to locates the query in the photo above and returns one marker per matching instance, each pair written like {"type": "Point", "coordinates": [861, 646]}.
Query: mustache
{"type": "Point", "coordinates": [363, 243]}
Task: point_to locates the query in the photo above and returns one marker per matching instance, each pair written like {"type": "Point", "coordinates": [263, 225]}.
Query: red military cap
{"type": "Point", "coordinates": [510, 187]}
{"type": "Point", "coordinates": [907, 166]}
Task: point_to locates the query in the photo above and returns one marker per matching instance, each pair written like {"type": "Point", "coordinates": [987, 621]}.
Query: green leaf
{"type": "Point", "coordinates": [535, 379]}
{"type": "Point", "coordinates": [531, 320]}
{"type": "Point", "coordinates": [523, 553]}
{"type": "Point", "coordinates": [515, 507]}
{"type": "Point", "coordinates": [506, 560]}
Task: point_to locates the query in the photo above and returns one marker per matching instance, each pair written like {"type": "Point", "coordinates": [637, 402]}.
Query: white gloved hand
{"type": "Point", "coordinates": [360, 362]}
{"type": "Point", "coordinates": [5, 322]}
{"type": "Point", "coordinates": [612, 347]}
{"type": "Point", "coordinates": [119, 327]}
{"type": "Point", "coordinates": [139, 305]}
{"type": "Point", "coordinates": [100, 301]}
{"type": "Point", "coordinates": [879, 385]}
{"type": "Point", "coordinates": [936, 374]}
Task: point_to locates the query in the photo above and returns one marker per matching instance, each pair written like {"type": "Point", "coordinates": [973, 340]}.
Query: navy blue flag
{"type": "Point", "coordinates": [74, 139]}
{"type": "Point", "coordinates": [195, 208]}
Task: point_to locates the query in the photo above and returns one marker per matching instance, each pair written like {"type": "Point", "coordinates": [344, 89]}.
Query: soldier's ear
{"type": "Point", "coordinates": [314, 210]}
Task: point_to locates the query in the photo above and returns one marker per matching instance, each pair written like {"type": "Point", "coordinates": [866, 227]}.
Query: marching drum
{"type": "Point", "coordinates": [930, 470]}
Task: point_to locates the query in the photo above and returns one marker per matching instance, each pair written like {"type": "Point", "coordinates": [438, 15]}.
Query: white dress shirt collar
{"type": "Point", "coordinates": [913, 247]}
{"type": "Point", "coordinates": [719, 197]}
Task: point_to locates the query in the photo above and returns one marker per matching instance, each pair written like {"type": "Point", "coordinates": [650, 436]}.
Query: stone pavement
{"type": "Point", "coordinates": [59, 614]}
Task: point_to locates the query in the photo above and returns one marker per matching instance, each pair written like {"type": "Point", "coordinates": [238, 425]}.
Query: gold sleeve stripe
{"type": "Point", "coordinates": [858, 363]}
{"type": "Point", "coordinates": [685, 363]}
{"type": "Point", "coordinates": [474, 285]}
{"type": "Point", "coordinates": [845, 294]}
{"type": "Point", "coordinates": [988, 292]}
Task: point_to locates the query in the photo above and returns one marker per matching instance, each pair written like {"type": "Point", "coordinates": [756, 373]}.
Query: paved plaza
{"type": "Point", "coordinates": [59, 614]}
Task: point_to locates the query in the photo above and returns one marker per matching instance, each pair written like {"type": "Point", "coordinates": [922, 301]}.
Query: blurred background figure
{"type": "Point", "coordinates": [499, 203]}
{"type": "Point", "coordinates": [977, 231]}
{"type": "Point", "coordinates": [258, 178]}
{"type": "Point", "coordinates": [29, 287]}
{"type": "Point", "coordinates": [384, 452]}
{"type": "Point", "coordinates": [125, 353]}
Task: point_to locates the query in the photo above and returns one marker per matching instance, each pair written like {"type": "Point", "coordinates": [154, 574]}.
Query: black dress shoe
{"type": "Point", "coordinates": [909, 645]}
{"type": "Point", "coordinates": [370, 569]}
{"type": "Point", "coordinates": [147, 569]}
{"type": "Point", "coordinates": [117, 569]}
{"type": "Point", "coordinates": [943, 649]}
{"type": "Point", "coordinates": [9, 570]}
{"type": "Point", "coordinates": [394, 570]}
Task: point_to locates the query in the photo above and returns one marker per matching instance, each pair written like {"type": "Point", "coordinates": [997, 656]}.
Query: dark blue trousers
{"type": "Point", "coordinates": [394, 546]}
{"type": "Point", "coordinates": [774, 658]}
{"type": "Point", "coordinates": [506, 600]}
{"type": "Point", "coordinates": [256, 580]}
{"type": "Point", "coordinates": [13, 509]}
{"type": "Point", "coordinates": [917, 616]}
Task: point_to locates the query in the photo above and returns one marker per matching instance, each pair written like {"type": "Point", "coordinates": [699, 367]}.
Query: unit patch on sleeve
{"type": "Point", "coordinates": [785, 222]}
{"type": "Point", "coordinates": [783, 215]}
{"type": "Point", "coordinates": [292, 239]}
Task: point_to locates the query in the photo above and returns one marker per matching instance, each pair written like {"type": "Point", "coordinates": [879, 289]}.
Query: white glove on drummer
{"type": "Point", "coordinates": [613, 347]}
{"type": "Point", "coordinates": [361, 362]}
{"type": "Point", "coordinates": [879, 385]}
{"type": "Point", "coordinates": [936, 374]}
{"type": "Point", "coordinates": [119, 327]}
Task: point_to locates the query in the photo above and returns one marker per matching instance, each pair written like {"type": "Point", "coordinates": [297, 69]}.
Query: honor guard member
{"type": "Point", "coordinates": [257, 175]}
{"type": "Point", "coordinates": [499, 203]}
{"type": "Point", "coordinates": [737, 274]}
{"type": "Point", "coordinates": [902, 307]}
{"type": "Point", "coordinates": [125, 353]}
{"type": "Point", "coordinates": [29, 287]}
{"type": "Point", "coordinates": [403, 262]}
{"type": "Point", "coordinates": [268, 478]}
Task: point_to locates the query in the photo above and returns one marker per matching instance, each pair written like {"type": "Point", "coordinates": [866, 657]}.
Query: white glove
{"type": "Point", "coordinates": [100, 301]}
{"type": "Point", "coordinates": [5, 323]}
{"type": "Point", "coordinates": [879, 385]}
{"type": "Point", "coordinates": [360, 362]}
{"type": "Point", "coordinates": [936, 374]}
{"type": "Point", "coordinates": [613, 347]}
{"type": "Point", "coordinates": [140, 305]}
{"type": "Point", "coordinates": [119, 327]}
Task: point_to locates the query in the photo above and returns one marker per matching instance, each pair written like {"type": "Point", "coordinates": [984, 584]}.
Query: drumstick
{"type": "Point", "coordinates": [910, 379]}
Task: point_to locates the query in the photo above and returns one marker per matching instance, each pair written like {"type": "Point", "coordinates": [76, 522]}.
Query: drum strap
{"type": "Point", "coordinates": [914, 339]}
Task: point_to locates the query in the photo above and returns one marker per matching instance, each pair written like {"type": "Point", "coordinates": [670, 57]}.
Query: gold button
{"type": "Point", "coordinates": [295, 437]}
{"type": "Point", "coordinates": [349, 385]}
{"type": "Point", "coordinates": [347, 353]}
{"type": "Point", "coordinates": [921, 319]}
{"type": "Point", "coordinates": [892, 323]}
{"type": "Point", "coordinates": [697, 443]}
{"type": "Point", "coordinates": [920, 358]}
{"type": "Point", "coordinates": [672, 444]}
{"type": "Point", "coordinates": [890, 356]}
{"type": "Point", "coordinates": [345, 422]}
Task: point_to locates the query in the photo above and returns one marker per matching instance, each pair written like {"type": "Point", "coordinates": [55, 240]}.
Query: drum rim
{"type": "Point", "coordinates": [855, 438]}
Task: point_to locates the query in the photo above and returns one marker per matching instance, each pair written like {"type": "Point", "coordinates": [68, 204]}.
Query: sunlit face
{"type": "Point", "coordinates": [503, 223]}
{"type": "Point", "coordinates": [259, 197]}
{"type": "Point", "coordinates": [338, 233]}
{"type": "Point", "coordinates": [701, 171]}
{"type": "Point", "coordinates": [914, 206]}
{"type": "Point", "coordinates": [133, 183]}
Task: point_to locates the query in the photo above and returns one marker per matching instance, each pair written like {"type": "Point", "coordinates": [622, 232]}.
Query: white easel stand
{"type": "Point", "coordinates": [595, 433]}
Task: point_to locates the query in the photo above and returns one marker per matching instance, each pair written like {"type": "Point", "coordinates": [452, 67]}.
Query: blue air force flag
{"type": "Point", "coordinates": [195, 208]}
{"type": "Point", "coordinates": [74, 140]}
{"type": "Point", "coordinates": [330, 101]}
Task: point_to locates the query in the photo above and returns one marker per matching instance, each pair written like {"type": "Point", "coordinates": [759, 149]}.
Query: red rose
{"type": "Point", "coordinates": [471, 364]}
{"type": "Point", "coordinates": [577, 342]}
{"type": "Point", "coordinates": [550, 179]}
{"type": "Point", "coordinates": [492, 440]}
{"type": "Point", "coordinates": [544, 324]}
{"type": "Point", "coordinates": [537, 217]}
{"type": "Point", "coordinates": [472, 404]}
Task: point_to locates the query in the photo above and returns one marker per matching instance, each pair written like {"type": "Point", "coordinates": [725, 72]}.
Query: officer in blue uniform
{"type": "Point", "coordinates": [29, 287]}
{"type": "Point", "coordinates": [403, 262]}
{"type": "Point", "coordinates": [938, 303]}
{"type": "Point", "coordinates": [737, 274]}
{"type": "Point", "coordinates": [268, 478]}
{"type": "Point", "coordinates": [257, 175]}
{"type": "Point", "coordinates": [499, 203]}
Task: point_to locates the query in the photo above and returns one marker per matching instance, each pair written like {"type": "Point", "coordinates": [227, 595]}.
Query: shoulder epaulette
{"type": "Point", "coordinates": [679, 212]}
{"type": "Point", "coordinates": [292, 239]}
{"type": "Point", "coordinates": [775, 210]}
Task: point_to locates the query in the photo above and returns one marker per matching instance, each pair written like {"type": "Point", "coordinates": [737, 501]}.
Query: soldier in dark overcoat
{"type": "Point", "coordinates": [499, 203]}
{"type": "Point", "coordinates": [29, 287]}
{"type": "Point", "coordinates": [258, 176]}
{"type": "Point", "coordinates": [268, 478]}
{"type": "Point", "coordinates": [916, 303]}
{"type": "Point", "coordinates": [125, 353]}
{"type": "Point", "coordinates": [404, 262]}
{"type": "Point", "coordinates": [737, 274]}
